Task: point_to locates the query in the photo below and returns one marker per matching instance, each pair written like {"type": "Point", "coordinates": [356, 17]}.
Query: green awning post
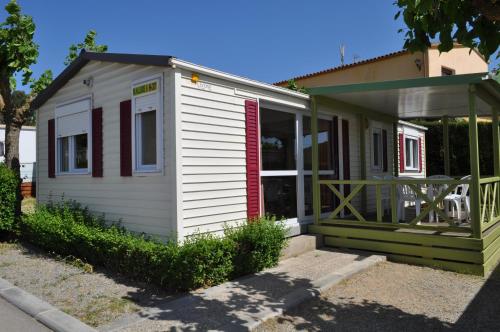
{"type": "Point", "coordinates": [446, 145]}
{"type": "Point", "coordinates": [362, 160]}
{"type": "Point", "coordinates": [315, 160]}
{"type": "Point", "coordinates": [474, 190]}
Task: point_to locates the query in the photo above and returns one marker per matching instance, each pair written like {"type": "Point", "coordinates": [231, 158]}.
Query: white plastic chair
{"type": "Point", "coordinates": [406, 194]}
{"type": "Point", "coordinates": [458, 203]}
{"type": "Point", "coordinates": [386, 200]}
{"type": "Point", "coordinates": [434, 190]}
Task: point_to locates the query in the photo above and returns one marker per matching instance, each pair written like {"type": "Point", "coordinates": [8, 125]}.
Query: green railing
{"type": "Point", "coordinates": [432, 206]}
{"type": "Point", "coordinates": [490, 201]}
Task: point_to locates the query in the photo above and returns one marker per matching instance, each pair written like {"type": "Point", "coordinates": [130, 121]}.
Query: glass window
{"type": "Point", "coordinates": [376, 148]}
{"type": "Point", "coordinates": [277, 140]}
{"type": "Point", "coordinates": [146, 124]}
{"type": "Point", "coordinates": [325, 143]}
{"type": "Point", "coordinates": [81, 151]}
{"type": "Point", "coordinates": [2, 149]}
{"type": "Point", "coordinates": [280, 196]}
{"type": "Point", "coordinates": [411, 153]}
{"type": "Point", "coordinates": [64, 154]}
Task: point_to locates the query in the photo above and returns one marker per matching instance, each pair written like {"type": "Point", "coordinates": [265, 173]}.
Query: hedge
{"type": "Point", "coordinates": [202, 260]}
{"type": "Point", "coordinates": [8, 187]}
{"type": "Point", "coordinates": [459, 147]}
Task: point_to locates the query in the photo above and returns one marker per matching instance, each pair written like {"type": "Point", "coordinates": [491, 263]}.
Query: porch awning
{"type": "Point", "coordinates": [430, 97]}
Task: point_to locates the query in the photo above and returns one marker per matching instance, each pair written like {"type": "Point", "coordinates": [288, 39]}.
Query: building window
{"type": "Point", "coordinates": [376, 144]}
{"type": "Point", "coordinates": [2, 149]}
{"type": "Point", "coordinates": [72, 127]}
{"type": "Point", "coordinates": [147, 109]}
{"type": "Point", "coordinates": [447, 71]}
{"type": "Point", "coordinates": [411, 153]}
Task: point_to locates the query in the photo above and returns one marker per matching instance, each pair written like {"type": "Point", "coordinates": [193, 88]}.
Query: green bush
{"type": "Point", "coordinates": [202, 260]}
{"type": "Point", "coordinates": [8, 187]}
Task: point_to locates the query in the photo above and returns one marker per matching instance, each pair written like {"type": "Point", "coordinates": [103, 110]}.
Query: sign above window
{"type": "Point", "coordinates": [145, 88]}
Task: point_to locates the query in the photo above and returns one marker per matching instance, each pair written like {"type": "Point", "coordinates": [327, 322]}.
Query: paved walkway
{"type": "Point", "coordinates": [245, 303]}
{"type": "Point", "coordinates": [15, 320]}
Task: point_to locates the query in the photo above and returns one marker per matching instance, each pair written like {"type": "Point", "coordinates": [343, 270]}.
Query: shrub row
{"type": "Point", "coordinates": [8, 187]}
{"type": "Point", "coordinates": [202, 260]}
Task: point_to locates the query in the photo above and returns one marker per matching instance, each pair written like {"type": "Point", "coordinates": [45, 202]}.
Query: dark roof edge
{"type": "Point", "coordinates": [84, 57]}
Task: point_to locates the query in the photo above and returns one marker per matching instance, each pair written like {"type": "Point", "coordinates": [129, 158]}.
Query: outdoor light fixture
{"type": "Point", "coordinates": [88, 82]}
{"type": "Point", "coordinates": [195, 78]}
{"type": "Point", "coordinates": [418, 62]}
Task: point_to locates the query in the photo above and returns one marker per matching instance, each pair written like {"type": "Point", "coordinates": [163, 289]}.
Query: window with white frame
{"type": "Point", "coordinates": [376, 149]}
{"type": "Point", "coordinates": [411, 153]}
{"type": "Point", "coordinates": [147, 125]}
{"type": "Point", "coordinates": [72, 128]}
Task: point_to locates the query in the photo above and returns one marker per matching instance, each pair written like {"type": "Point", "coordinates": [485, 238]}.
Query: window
{"type": "Point", "coordinates": [447, 71]}
{"type": "Point", "coordinates": [72, 127]}
{"type": "Point", "coordinates": [147, 125]}
{"type": "Point", "coordinates": [2, 149]}
{"type": "Point", "coordinates": [411, 153]}
{"type": "Point", "coordinates": [377, 153]}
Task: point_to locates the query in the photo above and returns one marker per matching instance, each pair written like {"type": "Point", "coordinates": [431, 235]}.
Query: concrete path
{"type": "Point", "coordinates": [245, 303]}
{"type": "Point", "coordinates": [15, 320]}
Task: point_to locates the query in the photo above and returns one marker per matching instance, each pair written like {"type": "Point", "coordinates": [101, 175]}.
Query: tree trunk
{"type": "Point", "coordinates": [12, 133]}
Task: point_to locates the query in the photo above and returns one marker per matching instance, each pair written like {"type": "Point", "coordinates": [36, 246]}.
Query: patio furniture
{"type": "Point", "coordinates": [457, 204]}
{"type": "Point", "coordinates": [434, 190]}
{"type": "Point", "coordinates": [385, 197]}
{"type": "Point", "coordinates": [407, 195]}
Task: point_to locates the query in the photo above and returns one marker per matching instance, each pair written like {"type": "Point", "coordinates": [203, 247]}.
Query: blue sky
{"type": "Point", "coordinates": [265, 40]}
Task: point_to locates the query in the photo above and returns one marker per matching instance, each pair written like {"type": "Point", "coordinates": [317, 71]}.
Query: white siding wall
{"type": "Point", "coordinates": [419, 133]}
{"type": "Point", "coordinates": [212, 135]}
{"type": "Point", "coordinates": [142, 203]}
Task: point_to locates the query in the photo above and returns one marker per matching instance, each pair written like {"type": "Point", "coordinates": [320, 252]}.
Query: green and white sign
{"type": "Point", "coordinates": [145, 88]}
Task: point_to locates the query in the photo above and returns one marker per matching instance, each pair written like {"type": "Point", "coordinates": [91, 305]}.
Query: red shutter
{"type": "Point", "coordinates": [126, 138]}
{"type": "Point", "coordinates": [252, 158]}
{"type": "Point", "coordinates": [97, 142]}
{"type": "Point", "coordinates": [401, 153]}
{"type": "Point", "coordinates": [346, 163]}
{"type": "Point", "coordinates": [420, 154]}
{"type": "Point", "coordinates": [385, 159]}
{"type": "Point", "coordinates": [52, 148]}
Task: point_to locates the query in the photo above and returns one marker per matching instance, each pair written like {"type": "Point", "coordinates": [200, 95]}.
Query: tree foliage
{"type": "Point", "coordinates": [473, 23]}
{"type": "Point", "coordinates": [292, 85]}
{"type": "Point", "coordinates": [88, 44]}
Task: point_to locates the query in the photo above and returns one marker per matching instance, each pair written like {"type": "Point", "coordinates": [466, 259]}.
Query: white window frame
{"type": "Point", "coordinates": [376, 130]}
{"type": "Point", "coordinates": [412, 155]}
{"type": "Point", "coordinates": [136, 134]}
{"type": "Point", "coordinates": [72, 170]}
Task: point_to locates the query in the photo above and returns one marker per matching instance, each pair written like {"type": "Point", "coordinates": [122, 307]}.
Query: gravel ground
{"type": "Point", "coordinates": [398, 297]}
{"type": "Point", "coordinates": [95, 297]}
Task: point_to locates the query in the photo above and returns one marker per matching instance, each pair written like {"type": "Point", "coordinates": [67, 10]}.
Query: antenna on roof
{"type": "Point", "coordinates": [355, 58]}
{"type": "Point", "coordinates": [342, 53]}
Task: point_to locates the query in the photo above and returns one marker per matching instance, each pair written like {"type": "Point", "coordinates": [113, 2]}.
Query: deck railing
{"type": "Point", "coordinates": [386, 191]}
{"type": "Point", "coordinates": [489, 201]}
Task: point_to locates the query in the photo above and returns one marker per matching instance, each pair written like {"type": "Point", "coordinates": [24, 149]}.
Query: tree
{"type": "Point", "coordinates": [473, 23]}
{"type": "Point", "coordinates": [292, 85]}
{"type": "Point", "coordinates": [87, 45]}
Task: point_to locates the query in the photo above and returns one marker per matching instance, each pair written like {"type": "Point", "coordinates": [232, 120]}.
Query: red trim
{"type": "Point", "coordinates": [252, 158]}
{"type": "Point", "coordinates": [126, 138]}
{"type": "Point", "coordinates": [401, 153]}
{"type": "Point", "coordinates": [52, 148]}
{"type": "Point", "coordinates": [385, 158]}
{"type": "Point", "coordinates": [97, 143]}
{"type": "Point", "coordinates": [420, 154]}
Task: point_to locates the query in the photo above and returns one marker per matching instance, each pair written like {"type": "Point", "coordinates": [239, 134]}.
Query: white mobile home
{"type": "Point", "coordinates": [27, 151]}
{"type": "Point", "coordinates": [171, 148]}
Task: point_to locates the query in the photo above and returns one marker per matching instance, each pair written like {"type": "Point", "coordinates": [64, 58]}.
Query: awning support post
{"type": "Point", "coordinates": [315, 161]}
{"type": "Point", "coordinates": [474, 190]}
{"type": "Point", "coordinates": [446, 145]}
{"type": "Point", "coordinates": [362, 151]}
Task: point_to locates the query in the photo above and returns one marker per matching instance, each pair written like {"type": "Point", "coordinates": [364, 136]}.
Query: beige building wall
{"type": "Point", "coordinates": [460, 60]}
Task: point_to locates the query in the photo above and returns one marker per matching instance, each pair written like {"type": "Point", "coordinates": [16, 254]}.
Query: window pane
{"type": "Point", "coordinates": [408, 153]}
{"type": "Point", "coordinates": [415, 153]}
{"type": "Point", "coordinates": [326, 195]}
{"type": "Point", "coordinates": [81, 151]}
{"type": "Point", "coordinates": [376, 149]}
{"type": "Point", "coordinates": [280, 196]}
{"type": "Point", "coordinates": [64, 154]}
{"type": "Point", "coordinates": [277, 140]}
{"type": "Point", "coordinates": [148, 138]}
{"type": "Point", "coordinates": [1, 149]}
{"type": "Point", "coordinates": [325, 143]}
